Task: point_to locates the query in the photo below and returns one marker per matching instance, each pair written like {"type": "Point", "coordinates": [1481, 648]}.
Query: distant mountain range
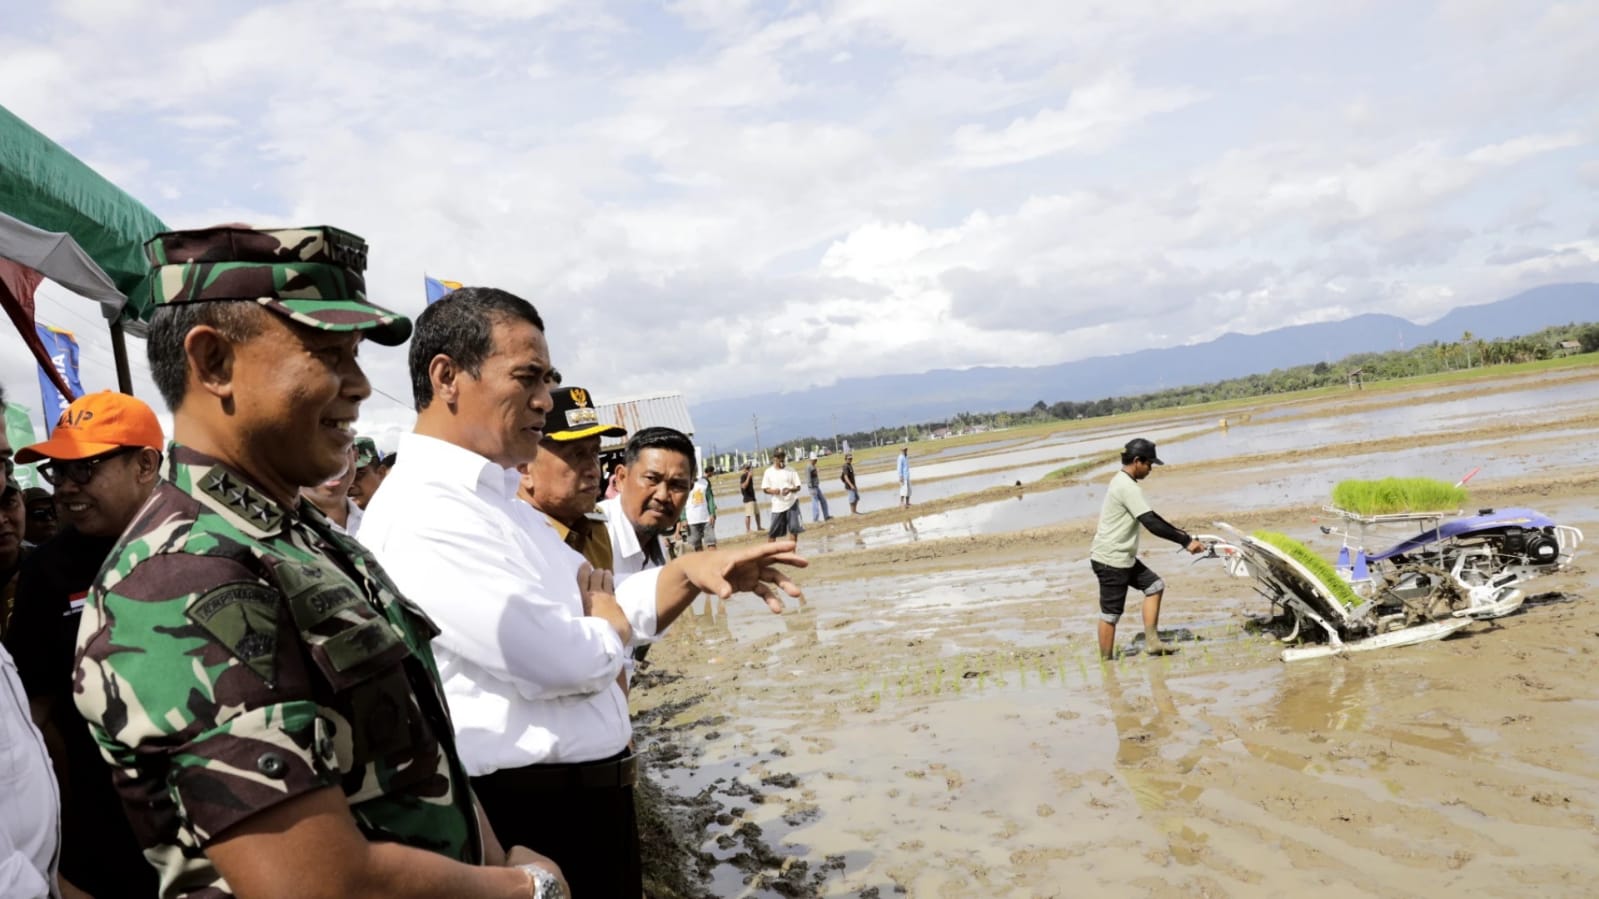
{"type": "Point", "coordinates": [863, 403]}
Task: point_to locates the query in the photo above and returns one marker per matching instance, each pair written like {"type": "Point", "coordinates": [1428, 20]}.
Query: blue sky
{"type": "Point", "coordinates": [724, 198]}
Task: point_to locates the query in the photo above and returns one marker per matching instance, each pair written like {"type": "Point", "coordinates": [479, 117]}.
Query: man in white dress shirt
{"type": "Point", "coordinates": [30, 806]}
{"type": "Point", "coordinates": [657, 472]}
{"type": "Point", "coordinates": [532, 640]}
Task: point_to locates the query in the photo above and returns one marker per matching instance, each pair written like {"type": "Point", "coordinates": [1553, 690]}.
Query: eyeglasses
{"type": "Point", "coordinates": [78, 471]}
{"type": "Point", "coordinates": [43, 513]}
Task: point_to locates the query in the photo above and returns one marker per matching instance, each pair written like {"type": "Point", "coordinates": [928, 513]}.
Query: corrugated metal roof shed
{"type": "Point", "coordinates": [668, 410]}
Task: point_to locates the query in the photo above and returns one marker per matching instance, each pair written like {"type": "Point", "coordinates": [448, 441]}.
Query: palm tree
{"type": "Point", "coordinates": [1465, 344]}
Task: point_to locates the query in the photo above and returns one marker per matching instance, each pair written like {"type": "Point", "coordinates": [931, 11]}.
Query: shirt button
{"type": "Point", "coordinates": [272, 765]}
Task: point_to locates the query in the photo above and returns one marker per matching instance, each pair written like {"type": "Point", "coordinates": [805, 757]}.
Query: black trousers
{"type": "Point", "coordinates": [582, 816]}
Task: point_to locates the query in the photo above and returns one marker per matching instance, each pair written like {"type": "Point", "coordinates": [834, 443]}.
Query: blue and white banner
{"type": "Point", "coordinates": [62, 347]}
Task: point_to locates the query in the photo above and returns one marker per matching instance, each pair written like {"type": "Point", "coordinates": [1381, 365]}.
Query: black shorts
{"type": "Point", "coordinates": [785, 524]}
{"type": "Point", "coordinates": [1114, 582]}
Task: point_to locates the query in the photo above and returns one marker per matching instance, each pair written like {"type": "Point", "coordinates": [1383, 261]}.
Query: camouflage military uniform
{"type": "Point", "coordinates": [235, 654]}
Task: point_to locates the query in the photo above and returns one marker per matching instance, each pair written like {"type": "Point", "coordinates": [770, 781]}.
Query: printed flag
{"type": "Point", "coordinates": [437, 289]}
{"type": "Point", "coordinates": [17, 283]}
{"type": "Point", "coordinates": [63, 349]}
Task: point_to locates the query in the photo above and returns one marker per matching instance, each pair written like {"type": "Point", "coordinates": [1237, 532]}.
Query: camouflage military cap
{"type": "Point", "coordinates": [313, 276]}
{"type": "Point", "coordinates": [366, 451]}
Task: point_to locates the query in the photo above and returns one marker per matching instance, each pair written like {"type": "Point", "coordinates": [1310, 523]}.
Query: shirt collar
{"type": "Point", "coordinates": [561, 529]}
{"type": "Point", "coordinates": [621, 528]}
{"type": "Point", "coordinates": [456, 465]}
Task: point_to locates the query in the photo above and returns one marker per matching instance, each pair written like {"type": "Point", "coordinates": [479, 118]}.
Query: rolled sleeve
{"type": "Point", "coordinates": [172, 706]}
{"type": "Point", "coordinates": [246, 764]}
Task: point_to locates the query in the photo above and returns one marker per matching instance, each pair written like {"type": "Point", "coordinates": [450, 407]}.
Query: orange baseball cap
{"type": "Point", "coordinates": [98, 423]}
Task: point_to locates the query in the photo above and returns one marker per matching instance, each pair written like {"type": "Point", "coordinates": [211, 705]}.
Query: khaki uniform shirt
{"type": "Point", "coordinates": [590, 539]}
{"type": "Point", "coordinates": [234, 654]}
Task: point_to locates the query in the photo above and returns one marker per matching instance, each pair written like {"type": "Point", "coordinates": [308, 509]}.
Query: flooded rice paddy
{"type": "Point", "coordinates": [934, 721]}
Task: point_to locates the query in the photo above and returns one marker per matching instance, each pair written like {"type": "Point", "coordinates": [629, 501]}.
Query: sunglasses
{"type": "Point", "coordinates": [78, 471]}
{"type": "Point", "coordinates": [42, 513]}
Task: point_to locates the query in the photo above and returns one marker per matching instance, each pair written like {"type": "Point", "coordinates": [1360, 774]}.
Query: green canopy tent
{"type": "Point", "coordinates": [60, 218]}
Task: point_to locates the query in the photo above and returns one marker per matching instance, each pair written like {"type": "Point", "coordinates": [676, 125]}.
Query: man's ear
{"type": "Point", "coordinates": [148, 466]}
{"type": "Point", "coordinates": [210, 358]}
{"type": "Point", "coordinates": [445, 376]}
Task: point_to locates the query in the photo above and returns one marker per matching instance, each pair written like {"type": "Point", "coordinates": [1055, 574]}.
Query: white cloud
{"type": "Point", "coordinates": [1524, 147]}
{"type": "Point", "coordinates": [1095, 117]}
{"type": "Point", "coordinates": [730, 197]}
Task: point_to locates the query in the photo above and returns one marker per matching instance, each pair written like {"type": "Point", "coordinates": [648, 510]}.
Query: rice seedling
{"type": "Point", "coordinates": [1391, 495]}
{"type": "Point", "coordinates": [1319, 568]}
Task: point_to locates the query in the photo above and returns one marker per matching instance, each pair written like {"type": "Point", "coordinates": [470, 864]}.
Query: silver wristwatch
{"type": "Point", "coordinates": [545, 884]}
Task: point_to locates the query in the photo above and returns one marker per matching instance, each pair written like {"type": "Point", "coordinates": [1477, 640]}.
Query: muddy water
{"type": "Point", "coordinates": [1530, 397]}
{"type": "Point", "coordinates": [1059, 452]}
{"type": "Point", "coordinates": [1266, 486]}
{"type": "Point", "coordinates": [1459, 408]}
{"type": "Point", "coordinates": [932, 730]}
{"type": "Point", "coordinates": [968, 743]}
{"type": "Point", "coordinates": [1198, 481]}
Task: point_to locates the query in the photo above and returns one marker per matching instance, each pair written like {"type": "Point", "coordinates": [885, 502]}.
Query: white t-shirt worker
{"type": "Point", "coordinates": [782, 484]}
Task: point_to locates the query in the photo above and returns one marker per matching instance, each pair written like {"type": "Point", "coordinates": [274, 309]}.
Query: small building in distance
{"type": "Point", "coordinates": [665, 410]}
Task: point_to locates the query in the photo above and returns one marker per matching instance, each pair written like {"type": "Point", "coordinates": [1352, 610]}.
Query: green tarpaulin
{"type": "Point", "coordinates": [19, 431]}
{"type": "Point", "coordinates": [45, 187]}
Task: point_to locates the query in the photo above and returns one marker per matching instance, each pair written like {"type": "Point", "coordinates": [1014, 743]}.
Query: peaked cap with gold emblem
{"type": "Point", "coordinates": [574, 417]}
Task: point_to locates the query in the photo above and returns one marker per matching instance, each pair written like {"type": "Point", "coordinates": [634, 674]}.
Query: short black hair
{"type": "Point", "coordinates": [170, 326]}
{"type": "Point", "coordinates": [669, 439]}
{"type": "Point", "coordinates": [461, 326]}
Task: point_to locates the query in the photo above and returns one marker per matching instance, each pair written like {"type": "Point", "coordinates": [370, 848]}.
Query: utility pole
{"type": "Point", "coordinates": [756, 422]}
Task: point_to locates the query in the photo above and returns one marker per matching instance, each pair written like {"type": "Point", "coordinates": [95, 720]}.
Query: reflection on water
{"type": "Point", "coordinates": [1048, 455]}
{"type": "Point", "coordinates": [1147, 733]}
{"type": "Point", "coordinates": [1325, 698]}
{"type": "Point", "coordinates": [1292, 482]}
{"type": "Point", "coordinates": [1263, 435]}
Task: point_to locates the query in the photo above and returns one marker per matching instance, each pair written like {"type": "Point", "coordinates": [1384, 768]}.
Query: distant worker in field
{"type": "Point", "coordinates": [746, 490]}
{"type": "Point", "coordinates": [782, 484]}
{"type": "Point", "coordinates": [905, 477]}
{"type": "Point", "coordinates": [850, 490]}
{"type": "Point", "coordinates": [699, 514]}
{"type": "Point", "coordinates": [1114, 556]}
{"type": "Point", "coordinates": [813, 479]}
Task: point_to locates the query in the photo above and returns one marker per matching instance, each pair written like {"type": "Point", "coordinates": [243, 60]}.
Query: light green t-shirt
{"type": "Point", "coordinates": [1116, 541]}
